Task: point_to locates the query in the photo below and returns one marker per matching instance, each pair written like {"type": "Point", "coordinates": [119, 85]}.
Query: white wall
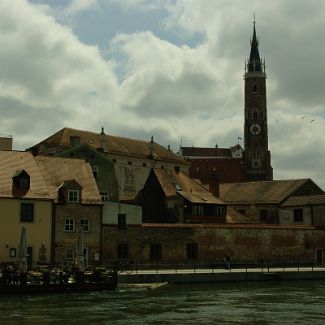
{"type": "Point", "coordinates": [111, 210]}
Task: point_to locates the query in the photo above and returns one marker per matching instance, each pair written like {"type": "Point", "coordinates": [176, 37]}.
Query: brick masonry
{"type": "Point", "coordinates": [251, 242]}
{"type": "Point", "coordinates": [64, 240]}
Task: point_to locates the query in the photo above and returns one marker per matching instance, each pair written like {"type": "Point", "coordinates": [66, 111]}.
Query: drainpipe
{"type": "Point", "coordinates": [53, 233]}
{"type": "Point", "coordinates": [101, 234]}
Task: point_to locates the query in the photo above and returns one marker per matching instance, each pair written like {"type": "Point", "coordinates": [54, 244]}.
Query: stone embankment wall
{"type": "Point", "coordinates": [251, 242]}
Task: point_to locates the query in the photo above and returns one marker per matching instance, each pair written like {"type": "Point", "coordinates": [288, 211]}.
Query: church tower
{"type": "Point", "coordinates": [257, 157]}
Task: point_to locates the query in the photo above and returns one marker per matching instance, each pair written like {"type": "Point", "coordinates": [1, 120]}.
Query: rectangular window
{"type": "Point", "coordinates": [197, 210]}
{"type": "Point", "coordinates": [122, 251]}
{"type": "Point", "coordinates": [192, 250]}
{"type": "Point", "coordinates": [69, 225]}
{"type": "Point", "coordinates": [122, 221]}
{"type": "Point", "coordinates": [85, 224]}
{"type": "Point", "coordinates": [24, 183]}
{"type": "Point", "coordinates": [13, 252]}
{"type": "Point", "coordinates": [73, 196]}
{"type": "Point", "coordinates": [298, 215]}
{"type": "Point", "coordinates": [105, 196]}
{"type": "Point", "coordinates": [219, 211]}
{"type": "Point", "coordinates": [242, 211]}
{"type": "Point", "coordinates": [155, 252]}
{"type": "Point", "coordinates": [27, 212]}
{"type": "Point", "coordinates": [263, 215]}
{"type": "Point", "coordinates": [69, 253]}
{"type": "Point", "coordinates": [74, 141]}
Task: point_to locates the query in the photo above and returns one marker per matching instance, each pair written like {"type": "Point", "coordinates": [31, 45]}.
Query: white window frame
{"type": "Point", "coordinates": [69, 253]}
{"type": "Point", "coordinates": [73, 196]}
{"type": "Point", "coordinates": [82, 220]}
{"type": "Point", "coordinates": [104, 196]}
{"type": "Point", "coordinates": [68, 222]}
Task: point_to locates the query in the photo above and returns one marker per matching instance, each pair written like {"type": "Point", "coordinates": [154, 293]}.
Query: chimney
{"type": "Point", "coordinates": [5, 142]}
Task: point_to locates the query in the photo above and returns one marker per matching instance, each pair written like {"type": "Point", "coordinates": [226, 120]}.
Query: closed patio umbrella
{"type": "Point", "coordinates": [80, 250]}
{"type": "Point", "coordinates": [23, 251]}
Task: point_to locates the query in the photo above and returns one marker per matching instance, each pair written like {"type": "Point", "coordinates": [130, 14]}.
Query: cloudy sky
{"type": "Point", "coordinates": [168, 68]}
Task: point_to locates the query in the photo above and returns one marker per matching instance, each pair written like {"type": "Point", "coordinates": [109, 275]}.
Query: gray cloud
{"type": "Point", "coordinates": [50, 79]}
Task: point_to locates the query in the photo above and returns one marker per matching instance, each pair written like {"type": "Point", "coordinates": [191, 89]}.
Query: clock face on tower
{"type": "Point", "coordinates": [255, 129]}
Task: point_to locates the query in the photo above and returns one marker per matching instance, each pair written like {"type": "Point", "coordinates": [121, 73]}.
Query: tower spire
{"type": "Point", "coordinates": [254, 63]}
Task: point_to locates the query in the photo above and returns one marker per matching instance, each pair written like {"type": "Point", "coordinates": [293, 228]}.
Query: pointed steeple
{"type": "Point", "coordinates": [254, 63]}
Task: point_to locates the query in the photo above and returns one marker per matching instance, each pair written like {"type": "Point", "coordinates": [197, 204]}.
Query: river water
{"type": "Point", "coordinates": [234, 303]}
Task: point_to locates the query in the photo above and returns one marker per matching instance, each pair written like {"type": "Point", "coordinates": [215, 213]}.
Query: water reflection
{"type": "Point", "coordinates": [235, 303]}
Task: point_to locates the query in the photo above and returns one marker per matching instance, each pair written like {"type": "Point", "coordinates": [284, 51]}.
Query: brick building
{"type": "Point", "coordinates": [77, 203]}
{"type": "Point", "coordinates": [130, 159]}
{"type": "Point", "coordinates": [262, 201]}
{"type": "Point", "coordinates": [162, 243]}
{"type": "Point", "coordinates": [232, 165]}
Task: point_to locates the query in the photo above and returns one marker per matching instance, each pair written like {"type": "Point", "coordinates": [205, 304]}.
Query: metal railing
{"type": "Point", "coordinates": [211, 266]}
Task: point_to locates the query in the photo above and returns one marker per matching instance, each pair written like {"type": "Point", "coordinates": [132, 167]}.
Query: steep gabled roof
{"type": "Point", "coordinates": [177, 183]}
{"type": "Point", "coordinates": [113, 144]}
{"type": "Point", "coordinates": [305, 200]}
{"type": "Point", "coordinates": [13, 162]}
{"type": "Point", "coordinates": [269, 192]}
{"type": "Point", "coordinates": [56, 171]}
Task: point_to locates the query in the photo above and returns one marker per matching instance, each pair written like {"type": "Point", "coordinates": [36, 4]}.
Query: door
{"type": "Point", "coordinates": [29, 256]}
{"type": "Point", "coordinates": [319, 256]}
{"type": "Point", "coordinates": [86, 255]}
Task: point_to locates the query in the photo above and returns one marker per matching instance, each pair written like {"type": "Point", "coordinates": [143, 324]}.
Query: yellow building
{"type": "Point", "coordinates": [24, 202]}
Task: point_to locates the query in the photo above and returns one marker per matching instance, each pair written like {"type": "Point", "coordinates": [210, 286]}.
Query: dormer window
{"type": "Point", "coordinates": [74, 141]}
{"type": "Point", "coordinates": [73, 196]}
{"type": "Point", "coordinates": [21, 180]}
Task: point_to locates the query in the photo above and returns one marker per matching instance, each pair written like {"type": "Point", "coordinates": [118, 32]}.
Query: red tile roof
{"type": "Point", "coordinates": [174, 183]}
{"type": "Point", "coordinates": [305, 200]}
{"type": "Point", "coordinates": [113, 144]}
{"type": "Point", "coordinates": [10, 163]}
{"type": "Point", "coordinates": [269, 192]}
{"type": "Point", "coordinates": [58, 170]}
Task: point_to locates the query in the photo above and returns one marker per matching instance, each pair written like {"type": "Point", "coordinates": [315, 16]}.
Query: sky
{"type": "Point", "coordinates": [171, 69]}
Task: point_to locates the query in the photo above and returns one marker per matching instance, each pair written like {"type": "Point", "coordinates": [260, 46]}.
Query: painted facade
{"type": "Point", "coordinates": [25, 201]}
{"type": "Point", "coordinates": [121, 214]}
{"type": "Point", "coordinates": [132, 159]}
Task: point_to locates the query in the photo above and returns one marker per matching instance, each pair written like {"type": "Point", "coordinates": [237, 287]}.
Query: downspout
{"type": "Point", "coordinates": [101, 234]}
{"type": "Point", "coordinates": [53, 233]}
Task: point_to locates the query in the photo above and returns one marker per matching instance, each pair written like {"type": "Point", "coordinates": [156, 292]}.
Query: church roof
{"type": "Point", "coordinates": [254, 63]}
{"type": "Point", "coordinates": [268, 192]}
{"type": "Point", "coordinates": [112, 144]}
